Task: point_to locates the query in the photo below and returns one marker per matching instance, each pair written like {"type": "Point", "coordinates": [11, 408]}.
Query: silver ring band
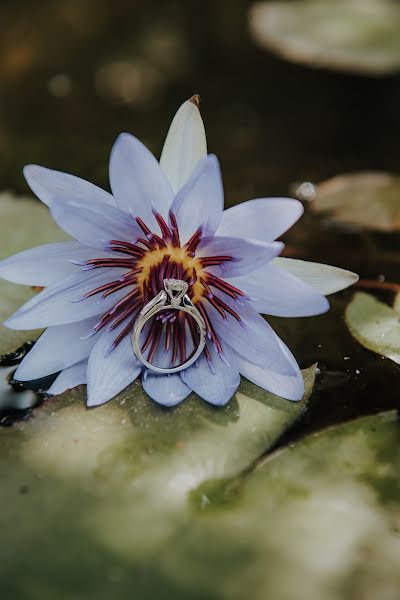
{"type": "Point", "coordinates": [173, 297]}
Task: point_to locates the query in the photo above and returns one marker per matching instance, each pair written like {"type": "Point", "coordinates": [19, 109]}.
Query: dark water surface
{"type": "Point", "coordinates": [74, 74]}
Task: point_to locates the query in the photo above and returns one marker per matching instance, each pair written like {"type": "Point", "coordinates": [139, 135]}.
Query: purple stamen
{"type": "Point", "coordinates": [170, 323]}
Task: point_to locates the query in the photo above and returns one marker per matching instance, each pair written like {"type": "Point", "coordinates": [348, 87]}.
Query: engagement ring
{"type": "Point", "coordinates": [172, 298]}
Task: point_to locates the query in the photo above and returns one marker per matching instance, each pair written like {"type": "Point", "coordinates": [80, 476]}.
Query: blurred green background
{"type": "Point", "coordinates": [74, 74]}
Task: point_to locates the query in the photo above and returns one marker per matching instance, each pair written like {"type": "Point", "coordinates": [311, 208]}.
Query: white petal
{"type": "Point", "coordinates": [60, 303]}
{"type": "Point", "coordinates": [217, 384]}
{"type": "Point", "coordinates": [167, 390]}
{"type": "Point", "coordinates": [289, 386]}
{"type": "Point", "coordinates": [323, 278]}
{"type": "Point", "coordinates": [69, 378]}
{"type": "Point", "coordinates": [200, 201]}
{"type": "Point", "coordinates": [274, 291]}
{"type": "Point", "coordinates": [110, 372]}
{"type": "Point", "coordinates": [47, 264]}
{"type": "Point", "coordinates": [137, 180]}
{"type": "Point", "coordinates": [184, 146]}
{"type": "Point", "coordinates": [95, 225]}
{"type": "Point", "coordinates": [56, 349]}
{"type": "Point", "coordinates": [50, 186]}
{"type": "Point", "coordinates": [261, 219]}
{"type": "Point", "coordinates": [247, 255]}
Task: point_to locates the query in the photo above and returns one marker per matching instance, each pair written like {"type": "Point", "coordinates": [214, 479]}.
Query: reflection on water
{"type": "Point", "coordinates": [74, 74]}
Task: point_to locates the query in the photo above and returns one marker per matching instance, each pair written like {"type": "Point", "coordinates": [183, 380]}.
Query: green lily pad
{"type": "Point", "coordinates": [24, 223]}
{"type": "Point", "coordinates": [95, 501]}
{"type": "Point", "coordinates": [319, 519]}
{"type": "Point", "coordinates": [375, 325]}
{"type": "Point", "coordinates": [366, 200]}
{"type": "Point", "coordinates": [344, 35]}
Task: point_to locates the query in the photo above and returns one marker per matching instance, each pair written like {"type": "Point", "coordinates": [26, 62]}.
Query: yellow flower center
{"type": "Point", "coordinates": [179, 256]}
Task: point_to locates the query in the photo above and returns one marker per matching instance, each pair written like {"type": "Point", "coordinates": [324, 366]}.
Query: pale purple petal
{"type": "Point", "coordinates": [167, 390]}
{"type": "Point", "coordinates": [290, 386]}
{"type": "Point", "coordinates": [200, 201]}
{"type": "Point", "coordinates": [110, 370]}
{"type": "Point", "coordinates": [247, 255]}
{"type": "Point", "coordinates": [95, 225]}
{"type": "Point", "coordinates": [137, 180]}
{"type": "Point", "coordinates": [57, 348]}
{"type": "Point", "coordinates": [252, 337]}
{"type": "Point", "coordinates": [261, 219]}
{"type": "Point", "coordinates": [62, 302]}
{"type": "Point", "coordinates": [277, 292]}
{"type": "Point", "coordinates": [216, 383]}
{"type": "Point", "coordinates": [69, 378]}
{"type": "Point", "coordinates": [53, 186]}
{"type": "Point", "coordinates": [47, 264]}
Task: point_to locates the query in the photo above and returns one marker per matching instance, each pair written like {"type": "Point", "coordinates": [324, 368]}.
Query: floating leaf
{"type": "Point", "coordinates": [95, 501]}
{"type": "Point", "coordinates": [24, 223]}
{"type": "Point", "coordinates": [361, 36]}
{"type": "Point", "coordinates": [367, 200]}
{"type": "Point", "coordinates": [319, 519]}
{"type": "Point", "coordinates": [375, 325]}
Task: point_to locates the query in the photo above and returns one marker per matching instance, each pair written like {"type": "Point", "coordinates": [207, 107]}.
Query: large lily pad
{"type": "Point", "coordinates": [24, 223]}
{"type": "Point", "coordinates": [128, 509]}
{"type": "Point", "coordinates": [375, 325]}
{"type": "Point", "coordinates": [366, 200]}
{"type": "Point", "coordinates": [319, 519]}
{"type": "Point", "coordinates": [345, 35]}
{"type": "Point", "coordinates": [95, 500]}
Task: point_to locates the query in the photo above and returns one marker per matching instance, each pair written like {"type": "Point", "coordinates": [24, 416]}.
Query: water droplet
{"type": "Point", "coordinates": [306, 191]}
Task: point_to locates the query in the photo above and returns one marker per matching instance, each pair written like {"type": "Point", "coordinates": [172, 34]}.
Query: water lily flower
{"type": "Point", "coordinates": [163, 220]}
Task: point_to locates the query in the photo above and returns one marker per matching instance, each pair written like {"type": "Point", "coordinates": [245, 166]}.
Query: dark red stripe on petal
{"type": "Point", "coordinates": [225, 287]}
{"type": "Point", "coordinates": [206, 287]}
{"type": "Point", "coordinates": [165, 230]}
{"type": "Point", "coordinates": [156, 238]}
{"type": "Point", "coordinates": [124, 333]}
{"type": "Point", "coordinates": [143, 226]}
{"type": "Point", "coordinates": [156, 340]}
{"type": "Point", "coordinates": [180, 323]}
{"type": "Point", "coordinates": [208, 261]}
{"type": "Point", "coordinates": [149, 245]}
{"type": "Point", "coordinates": [118, 287]}
{"type": "Point", "coordinates": [126, 313]}
{"type": "Point", "coordinates": [194, 241]}
{"type": "Point", "coordinates": [125, 248]}
{"type": "Point", "coordinates": [111, 262]}
{"type": "Point", "coordinates": [101, 288]}
{"type": "Point", "coordinates": [221, 305]}
{"type": "Point", "coordinates": [175, 231]}
{"type": "Point", "coordinates": [168, 331]}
